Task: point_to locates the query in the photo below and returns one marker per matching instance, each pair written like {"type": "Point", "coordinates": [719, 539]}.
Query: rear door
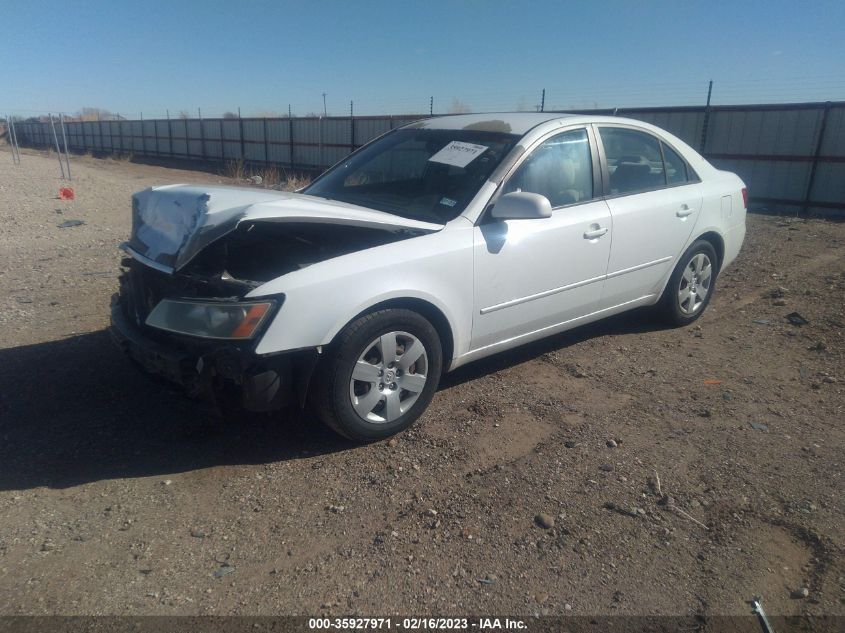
{"type": "Point", "coordinates": [533, 274]}
{"type": "Point", "coordinates": [654, 200]}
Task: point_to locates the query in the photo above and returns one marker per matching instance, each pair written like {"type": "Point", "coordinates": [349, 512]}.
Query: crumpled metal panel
{"type": "Point", "coordinates": [171, 224]}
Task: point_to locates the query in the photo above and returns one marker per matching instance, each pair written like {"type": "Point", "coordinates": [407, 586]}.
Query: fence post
{"type": "Point", "coordinates": [321, 159]}
{"type": "Point", "coordinates": [290, 135]}
{"type": "Point", "coordinates": [811, 180]}
{"type": "Point", "coordinates": [241, 131]}
{"type": "Point", "coordinates": [202, 134]}
{"type": "Point", "coordinates": [351, 127]}
{"type": "Point", "coordinates": [169, 132]}
{"type": "Point", "coordinates": [155, 129]}
{"type": "Point", "coordinates": [706, 121]}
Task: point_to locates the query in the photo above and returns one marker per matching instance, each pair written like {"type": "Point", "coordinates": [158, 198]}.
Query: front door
{"type": "Point", "coordinates": [534, 274]}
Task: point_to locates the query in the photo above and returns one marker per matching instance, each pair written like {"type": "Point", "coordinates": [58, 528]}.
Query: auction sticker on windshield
{"type": "Point", "coordinates": [458, 153]}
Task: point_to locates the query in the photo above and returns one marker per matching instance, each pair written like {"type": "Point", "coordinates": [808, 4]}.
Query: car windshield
{"type": "Point", "coordinates": [428, 175]}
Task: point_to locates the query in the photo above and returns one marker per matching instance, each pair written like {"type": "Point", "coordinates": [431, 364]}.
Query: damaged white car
{"type": "Point", "coordinates": [435, 245]}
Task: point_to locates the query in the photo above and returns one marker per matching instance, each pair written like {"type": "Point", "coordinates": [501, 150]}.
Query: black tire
{"type": "Point", "coordinates": [331, 393]}
{"type": "Point", "coordinates": [670, 308]}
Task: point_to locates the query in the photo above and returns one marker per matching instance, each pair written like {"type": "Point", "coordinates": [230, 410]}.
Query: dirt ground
{"type": "Point", "coordinates": [118, 497]}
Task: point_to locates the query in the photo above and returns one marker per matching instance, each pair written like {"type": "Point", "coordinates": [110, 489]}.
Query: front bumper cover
{"type": "Point", "coordinates": [212, 370]}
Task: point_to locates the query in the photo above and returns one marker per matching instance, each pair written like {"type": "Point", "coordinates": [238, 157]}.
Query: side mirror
{"type": "Point", "coordinates": [521, 205]}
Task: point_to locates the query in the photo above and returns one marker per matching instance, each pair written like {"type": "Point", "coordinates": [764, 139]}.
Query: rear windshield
{"type": "Point", "coordinates": [428, 175]}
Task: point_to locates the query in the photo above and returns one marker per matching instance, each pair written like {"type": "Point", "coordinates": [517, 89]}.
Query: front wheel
{"type": "Point", "coordinates": [379, 375]}
{"type": "Point", "coordinates": [691, 285]}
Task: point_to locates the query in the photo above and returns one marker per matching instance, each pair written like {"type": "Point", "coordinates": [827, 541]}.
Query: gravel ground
{"type": "Point", "coordinates": [621, 468]}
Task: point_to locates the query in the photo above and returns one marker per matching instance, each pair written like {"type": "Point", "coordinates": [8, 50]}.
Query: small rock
{"type": "Point", "coordinates": [704, 413]}
{"type": "Point", "coordinates": [336, 509]}
{"type": "Point", "coordinates": [256, 180]}
{"type": "Point", "coordinates": [392, 442]}
{"type": "Point", "coordinates": [567, 607]}
{"type": "Point", "coordinates": [759, 426]}
{"type": "Point", "coordinates": [431, 512]}
{"type": "Point", "coordinates": [666, 500]}
{"type": "Point", "coordinates": [69, 223]}
{"type": "Point", "coordinates": [800, 593]}
{"type": "Point", "coordinates": [611, 444]}
{"type": "Point", "coordinates": [166, 482]}
{"type": "Point", "coordinates": [606, 467]}
{"type": "Point", "coordinates": [224, 570]}
{"type": "Point", "coordinates": [48, 546]}
{"type": "Point", "coordinates": [779, 302]}
{"type": "Point", "coordinates": [570, 444]}
{"type": "Point", "coordinates": [638, 512]}
{"type": "Point", "coordinates": [727, 396]}
{"type": "Point", "coordinates": [198, 533]}
{"type": "Point", "coordinates": [545, 521]}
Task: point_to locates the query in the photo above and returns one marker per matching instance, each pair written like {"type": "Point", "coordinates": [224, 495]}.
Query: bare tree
{"type": "Point", "coordinates": [94, 114]}
{"type": "Point", "coordinates": [459, 107]}
{"type": "Point", "coordinates": [230, 115]}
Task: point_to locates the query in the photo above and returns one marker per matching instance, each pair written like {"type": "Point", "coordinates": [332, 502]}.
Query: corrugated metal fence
{"type": "Point", "coordinates": [791, 156]}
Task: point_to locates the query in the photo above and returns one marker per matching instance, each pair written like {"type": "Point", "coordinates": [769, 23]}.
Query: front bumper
{"type": "Point", "coordinates": [211, 370]}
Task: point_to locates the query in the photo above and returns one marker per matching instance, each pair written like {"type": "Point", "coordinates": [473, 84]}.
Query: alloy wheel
{"type": "Point", "coordinates": [388, 377]}
{"type": "Point", "coordinates": [695, 284]}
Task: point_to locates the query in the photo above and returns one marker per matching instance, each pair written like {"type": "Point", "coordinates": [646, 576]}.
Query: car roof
{"type": "Point", "coordinates": [508, 122]}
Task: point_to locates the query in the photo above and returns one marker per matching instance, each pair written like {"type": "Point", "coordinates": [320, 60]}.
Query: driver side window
{"type": "Point", "coordinates": [560, 169]}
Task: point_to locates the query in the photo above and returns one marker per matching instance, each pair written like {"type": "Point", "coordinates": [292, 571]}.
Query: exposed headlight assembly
{"type": "Point", "coordinates": [210, 320]}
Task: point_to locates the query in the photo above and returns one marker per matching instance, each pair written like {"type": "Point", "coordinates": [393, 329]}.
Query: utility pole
{"type": "Point", "coordinates": [324, 105]}
{"type": "Point", "coordinates": [58, 151]}
{"type": "Point", "coordinates": [64, 141]}
{"type": "Point", "coordinates": [543, 101]}
{"type": "Point", "coordinates": [431, 106]}
{"type": "Point", "coordinates": [13, 140]}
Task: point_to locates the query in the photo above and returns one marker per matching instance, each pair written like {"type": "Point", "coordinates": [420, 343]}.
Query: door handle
{"type": "Point", "coordinates": [684, 211]}
{"type": "Point", "coordinates": [595, 231]}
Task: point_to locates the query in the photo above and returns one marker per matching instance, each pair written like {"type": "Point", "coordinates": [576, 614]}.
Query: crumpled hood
{"type": "Point", "coordinates": [171, 224]}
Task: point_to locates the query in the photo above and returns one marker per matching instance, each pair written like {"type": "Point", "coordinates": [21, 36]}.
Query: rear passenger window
{"type": "Point", "coordinates": [676, 168]}
{"type": "Point", "coordinates": [560, 169]}
{"type": "Point", "coordinates": [633, 160]}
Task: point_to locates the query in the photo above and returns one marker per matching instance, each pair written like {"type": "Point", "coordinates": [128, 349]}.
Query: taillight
{"type": "Point", "coordinates": [745, 198]}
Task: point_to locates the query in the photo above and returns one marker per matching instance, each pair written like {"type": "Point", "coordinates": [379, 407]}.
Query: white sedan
{"type": "Point", "coordinates": [435, 245]}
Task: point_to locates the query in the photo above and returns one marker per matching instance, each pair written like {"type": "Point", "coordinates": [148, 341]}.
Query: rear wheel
{"type": "Point", "coordinates": [379, 375]}
{"type": "Point", "coordinates": [691, 285]}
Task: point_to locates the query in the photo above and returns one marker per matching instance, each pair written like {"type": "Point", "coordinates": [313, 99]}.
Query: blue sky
{"type": "Point", "coordinates": [133, 57]}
